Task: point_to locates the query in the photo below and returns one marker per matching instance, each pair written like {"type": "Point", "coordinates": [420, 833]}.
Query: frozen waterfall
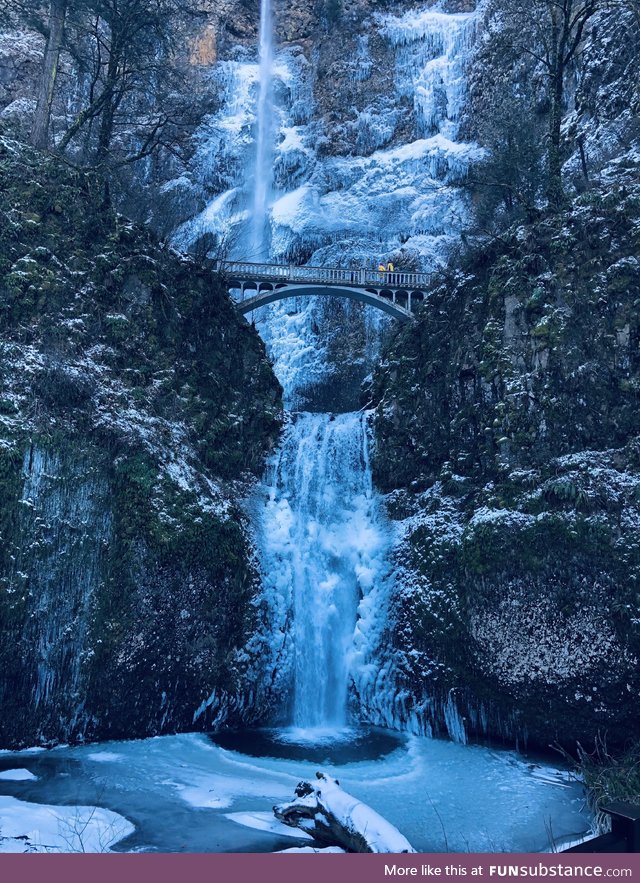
{"type": "Point", "coordinates": [301, 179]}
{"type": "Point", "coordinates": [321, 550]}
{"type": "Point", "coordinates": [287, 188]}
{"type": "Point", "coordinates": [283, 197]}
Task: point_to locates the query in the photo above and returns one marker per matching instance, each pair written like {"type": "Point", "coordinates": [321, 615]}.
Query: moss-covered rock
{"type": "Point", "coordinates": [512, 405]}
{"type": "Point", "coordinates": [135, 408]}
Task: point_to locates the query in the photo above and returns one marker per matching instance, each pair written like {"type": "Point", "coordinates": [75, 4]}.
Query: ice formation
{"type": "Point", "coordinates": [500, 802]}
{"type": "Point", "coordinates": [321, 548]}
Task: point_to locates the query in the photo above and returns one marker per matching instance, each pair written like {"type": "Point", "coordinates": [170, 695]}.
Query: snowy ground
{"type": "Point", "coordinates": [184, 793]}
{"type": "Point", "coordinates": [33, 827]}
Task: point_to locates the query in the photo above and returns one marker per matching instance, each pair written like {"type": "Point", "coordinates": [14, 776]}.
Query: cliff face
{"type": "Point", "coordinates": [507, 433]}
{"type": "Point", "coordinates": [134, 408]}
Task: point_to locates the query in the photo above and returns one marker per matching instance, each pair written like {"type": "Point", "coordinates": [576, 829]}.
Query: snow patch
{"type": "Point", "coordinates": [17, 775]}
{"type": "Point", "coordinates": [265, 821]}
{"type": "Point", "coordinates": [34, 827]}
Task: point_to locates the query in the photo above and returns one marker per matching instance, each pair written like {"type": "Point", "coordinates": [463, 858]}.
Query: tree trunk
{"type": "Point", "coordinates": [335, 818]}
{"type": "Point", "coordinates": [106, 127]}
{"type": "Point", "coordinates": [555, 190]}
{"type": "Point", "coordinates": [110, 102]}
{"type": "Point", "coordinates": [40, 129]}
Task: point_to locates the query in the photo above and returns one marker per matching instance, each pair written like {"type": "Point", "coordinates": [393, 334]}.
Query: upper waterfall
{"type": "Point", "coordinates": [259, 243]}
{"type": "Point", "coordinates": [309, 179]}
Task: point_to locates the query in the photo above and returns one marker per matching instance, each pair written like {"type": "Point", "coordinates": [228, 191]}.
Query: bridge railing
{"type": "Point", "coordinates": [362, 277]}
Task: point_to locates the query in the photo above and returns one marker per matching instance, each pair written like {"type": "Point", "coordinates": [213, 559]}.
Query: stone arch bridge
{"type": "Point", "coordinates": [394, 293]}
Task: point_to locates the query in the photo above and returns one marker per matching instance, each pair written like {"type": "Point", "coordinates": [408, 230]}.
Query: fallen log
{"type": "Point", "coordinates": [335, 818]}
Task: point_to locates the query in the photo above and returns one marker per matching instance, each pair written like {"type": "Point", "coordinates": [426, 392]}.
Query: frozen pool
{"type": "Point", "coordinates": [187, 793]}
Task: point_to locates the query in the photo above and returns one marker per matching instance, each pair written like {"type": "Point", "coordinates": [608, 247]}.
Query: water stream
{"type": "Point", "coordinates": [264, 138]}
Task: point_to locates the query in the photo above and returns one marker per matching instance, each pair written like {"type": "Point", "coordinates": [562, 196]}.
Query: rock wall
{"type": "Point", "coordinates": [507, 430]}
{"type": "Point", "coordinates": [135, 409]}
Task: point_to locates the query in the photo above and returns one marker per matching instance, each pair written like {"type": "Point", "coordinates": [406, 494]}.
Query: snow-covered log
{"type": "Point", "coordinates": [333, 817]}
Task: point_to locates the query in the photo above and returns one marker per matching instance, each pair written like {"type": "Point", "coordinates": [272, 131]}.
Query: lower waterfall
{"type": "Point", "coordinates": [322, 546]}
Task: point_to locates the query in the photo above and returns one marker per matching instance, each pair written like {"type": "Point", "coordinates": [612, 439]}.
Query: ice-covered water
{"type": "Point", "coordinates": [184, 793]}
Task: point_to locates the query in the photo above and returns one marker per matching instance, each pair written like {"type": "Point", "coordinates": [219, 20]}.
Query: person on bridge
{"type": "Point", "coordinates": [390, 269]}
{"type": "Point", "coordinates": [381, 269]}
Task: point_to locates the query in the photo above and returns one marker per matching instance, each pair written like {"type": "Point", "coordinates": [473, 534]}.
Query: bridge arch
{"type": "Point", "coordinates": [385, 299]}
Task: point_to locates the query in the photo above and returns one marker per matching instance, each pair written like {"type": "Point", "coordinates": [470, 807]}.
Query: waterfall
{"type": "Point", "coordinates": [279, 192]}
{"type": "Point", "coordinates": [264, 138]}
{"type": "Point", "coordinates": [321, 550]}
{"type": "Point", "coordinates": [382, 189]}
{"type": "Point", "coordinates": [432, 52]}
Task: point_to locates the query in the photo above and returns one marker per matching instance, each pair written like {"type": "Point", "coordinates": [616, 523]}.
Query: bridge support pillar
{"type": "Point", "coordinates": [409, 302]}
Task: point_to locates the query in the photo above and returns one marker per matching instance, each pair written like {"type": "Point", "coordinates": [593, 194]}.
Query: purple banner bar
{"type": "Point", "coordinates": [274, 868]}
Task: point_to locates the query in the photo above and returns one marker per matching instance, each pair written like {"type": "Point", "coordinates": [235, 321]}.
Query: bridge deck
{"type": "Point", "coordinates": [359, 278]}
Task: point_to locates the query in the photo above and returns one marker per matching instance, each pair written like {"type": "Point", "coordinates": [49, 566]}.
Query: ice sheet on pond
{"type": "Point", "coordinates": [17, 775]}
{"type": "Point", "coordinates": [441, 796]}
{"type": "Point", "coordinates": [265, 821]}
